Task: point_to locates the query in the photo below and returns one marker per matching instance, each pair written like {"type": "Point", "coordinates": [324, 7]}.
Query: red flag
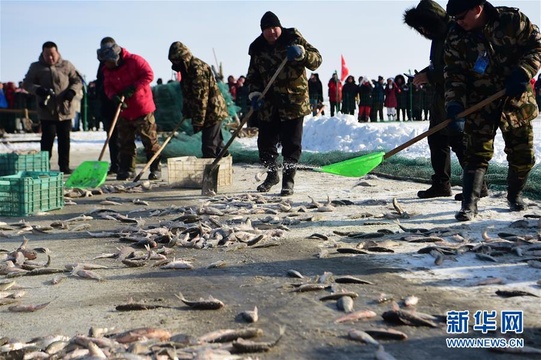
{"type": "Point", "coordinates": [345, 70]}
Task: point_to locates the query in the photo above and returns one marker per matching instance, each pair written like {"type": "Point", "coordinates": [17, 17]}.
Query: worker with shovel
{"type": "Point", "coordinates": [128, 75]}
{"type": "Point", "coordinates": [203, 101]}
{"type": "Point", "coordinates": [430, 20]}
{"type": "Point", "coordinates": [489, 49]}
{"type": "Point", "coordinates": [282, 110]}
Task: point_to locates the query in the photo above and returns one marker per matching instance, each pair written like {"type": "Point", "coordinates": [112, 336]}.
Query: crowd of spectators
{"type": "Point", "coordinates": [369, 99]}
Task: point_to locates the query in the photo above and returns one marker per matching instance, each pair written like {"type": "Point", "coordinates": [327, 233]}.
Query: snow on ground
{"type": "Point", "coordinates": [322, 134]}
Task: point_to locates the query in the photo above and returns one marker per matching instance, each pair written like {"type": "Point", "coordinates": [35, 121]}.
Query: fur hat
{"type": "Point", "coordinates": [109, 52]}
{"type": "Point", "coordinates": [269, 20]}
{"type": "Point", "coordinates": [455, 7]}
{"type": "Point", "coordinates": [428, 18]}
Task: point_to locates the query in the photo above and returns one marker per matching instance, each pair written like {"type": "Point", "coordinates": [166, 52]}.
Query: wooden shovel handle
{"type": "Point", "coordinates": [248, 115]}
{"type": "Point", "coordinates": [157, 153]}
{"type": "Point", "coordinates": [112, 128]}
{"type": "Point", "coordinates": [443, 124]}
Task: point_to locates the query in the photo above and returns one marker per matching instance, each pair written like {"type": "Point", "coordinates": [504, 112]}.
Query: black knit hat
{"type": "Point", "coordinates": [269, 20]}
{"type": "Point", "coordinates": [455, 7]}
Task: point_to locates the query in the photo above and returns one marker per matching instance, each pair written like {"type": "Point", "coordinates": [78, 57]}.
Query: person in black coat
{"type": "Point", "coordinates": [315, 92]}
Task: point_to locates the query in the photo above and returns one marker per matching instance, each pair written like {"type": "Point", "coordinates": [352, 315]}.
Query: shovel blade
{"type": "Point", "coordinates": [90, 174]}
{"type": "Point", "coordinates": [356, 167]}
{"type": "Point", "coordinates": [210, 180]}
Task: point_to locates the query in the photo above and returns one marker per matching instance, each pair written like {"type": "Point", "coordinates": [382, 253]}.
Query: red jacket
{"type": "Point", "coordinates": [335, 96]}
{"type": "Point", "coordinates": [133, 70]}
{"type": "Point", "coordinates": [390, 96]}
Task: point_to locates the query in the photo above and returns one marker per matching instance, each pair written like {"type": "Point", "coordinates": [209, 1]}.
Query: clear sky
{"type": "Point", "coordinates": [370, 34]}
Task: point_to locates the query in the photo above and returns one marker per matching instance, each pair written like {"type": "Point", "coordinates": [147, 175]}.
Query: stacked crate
{"type": "Point", "coordinates": [27, 186]}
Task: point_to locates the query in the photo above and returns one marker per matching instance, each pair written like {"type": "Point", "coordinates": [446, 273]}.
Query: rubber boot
{"type": "Point", "coordinates": [472, 181]}
{"type": "Point", "coordinates": [515, 185]}
{"type": "Point", "coordinates": [271, 179]}
{"type": "Point", "coordinates": [155, 169]}
{"type": "Point", "coordinates": [484, 192]}
{"type": "Point", "coordinates": [288, 181]}
{"type": "Point", "coordinates": [438, 189]}
{"type": "Point", "coordinates": [126, 167]}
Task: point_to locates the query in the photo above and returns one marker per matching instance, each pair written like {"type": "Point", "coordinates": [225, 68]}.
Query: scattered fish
{"type": "Point", "coordinates": [345, 304]}
{"type": "Point", "coordinates": [381, 354]}
{"type": "Point", "coordinates": [226, 335]}
{"type": "Point", "coordinates": [250, 316]}
{"type": "Point", "coordinates": [359, 335]}
{"type": "Point", "coordinates": [391, 334]}
{"type": "Point", "coordinates": [338, 295]}
{"type": "Point", "coordinates": [355, 316]}
{"type": "Point", "coordinates": [348, 279]}
{"type": "Point", "coordinates": [294, 274]}
{"type": "Point", "coordinates": [27, 308]}
{"type": "Point", "coordinates": [202, 304]}
{"type": "Point", "coordinates": [247, 346]}
{"type": "Point", "coordinates": [513, 293]}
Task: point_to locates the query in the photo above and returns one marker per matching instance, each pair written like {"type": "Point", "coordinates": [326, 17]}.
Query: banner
{"type": "Point", "coordinates": [345, 70]}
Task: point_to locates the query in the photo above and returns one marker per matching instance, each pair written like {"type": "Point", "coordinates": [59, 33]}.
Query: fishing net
{"type": "Point", "coordinates": [168, 98]}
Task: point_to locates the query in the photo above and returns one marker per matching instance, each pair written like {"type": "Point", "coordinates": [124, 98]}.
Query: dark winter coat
{"type": "Point", "coordinates": [59, 77]}
{"type": "Point", "coordinates": [288, 95]}
{"type": "Point", "coordinates": [365, 94]}
{"type": "Point", "coordinates": [315, 89]}
{"type": "Point", "coordinates": [432, 21]}
{"type": "Point", "coordinates": [349, 94]}
{"type": "Point", "coordinates": [403, 97]}
{"type": "Point", "coordinates": [378, 93]}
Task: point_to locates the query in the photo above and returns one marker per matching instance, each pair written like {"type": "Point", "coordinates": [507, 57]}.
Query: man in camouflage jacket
{"type": "Point", "coordinates": [282, 111]}
{"type": "Point", "coordinates": [487, 50]}
{"type": "Point", "coordinates": [203, 101]}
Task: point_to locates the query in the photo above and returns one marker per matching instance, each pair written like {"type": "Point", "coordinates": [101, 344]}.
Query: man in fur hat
{"type": "Point", "coordinates": [431, 21]}
{"type": "Point", "coordinates": [282, 111]}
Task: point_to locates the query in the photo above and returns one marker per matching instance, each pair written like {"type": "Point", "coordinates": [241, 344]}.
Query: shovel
{"type": "Point", "coordinates": [91, 174]}
{"type": "Point", "coordinates": [362, 165]}
{"type": "Point", "coordinates": [210, 174]}
{"type": "Point", "coordinates": [155, 156]}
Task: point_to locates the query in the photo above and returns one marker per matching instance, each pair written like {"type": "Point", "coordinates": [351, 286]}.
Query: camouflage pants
{"type": "Point", "coordinates": [480, 130]}
{"type": "Point", "coordinates": [145, 127]}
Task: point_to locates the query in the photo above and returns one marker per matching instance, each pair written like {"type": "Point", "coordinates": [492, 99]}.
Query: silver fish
{"type": "Point", "coordinates": [246, 346]}
{"type": "Point", "coordinates": [250, 316]}
{"type": "Point", "coordinates": [202, 304]}
{"type": "Point", "coordinates": [345, 304]}
{"type": "Point", "coordinates": [227, 335]}
{"type": "Point", "coordinates": [359, 335]}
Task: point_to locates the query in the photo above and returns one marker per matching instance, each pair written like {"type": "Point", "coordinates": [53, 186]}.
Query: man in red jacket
{"type": "Point", "coordinates": [130, 75]}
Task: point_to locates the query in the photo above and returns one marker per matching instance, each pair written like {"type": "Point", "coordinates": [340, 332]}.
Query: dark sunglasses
{"type": "Point", "coordinates": [461, 17]}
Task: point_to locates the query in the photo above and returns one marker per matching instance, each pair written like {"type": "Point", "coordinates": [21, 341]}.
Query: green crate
{"type": "Point", "coordinates": [12, 163]}
{"type": "Point", "coordinates": [29, 192]}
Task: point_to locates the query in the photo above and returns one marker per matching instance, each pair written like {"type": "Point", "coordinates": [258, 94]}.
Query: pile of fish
{"type": "Point", "coordinates": [233, 222]}
{"type": "Point", "coordinates": [141, 343]}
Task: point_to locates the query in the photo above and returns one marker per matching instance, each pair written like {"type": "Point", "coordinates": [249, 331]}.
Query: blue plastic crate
{"type": "Point", "coordinates": [29, 192]}
{"type": "Point", "coordinates": [12, 163]}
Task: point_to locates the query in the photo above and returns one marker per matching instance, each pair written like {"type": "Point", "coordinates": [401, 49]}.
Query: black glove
{"type": "Point", "coordinates": [456, 127]}
{"type": "Point", "coordinates": [69, 95]}
{"type": "Point", "coordinates": [117, 99]}
{"type": "Point", "coordinates": [516, 83]}
{"type": "Point", "coordinates": [127, 92]}
{"type": "Point", "coordinates": [196, 129]}
{"type": "Point", "coordinates": [43, 91]}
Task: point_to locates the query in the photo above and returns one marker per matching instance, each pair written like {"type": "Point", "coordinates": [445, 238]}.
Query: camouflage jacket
{"type": "Point", "coordinates": [203, 101]}
{"type": "Point", "coordinates": [509, 40]}
{"type": "Point", "coordinates": [289, 93]}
